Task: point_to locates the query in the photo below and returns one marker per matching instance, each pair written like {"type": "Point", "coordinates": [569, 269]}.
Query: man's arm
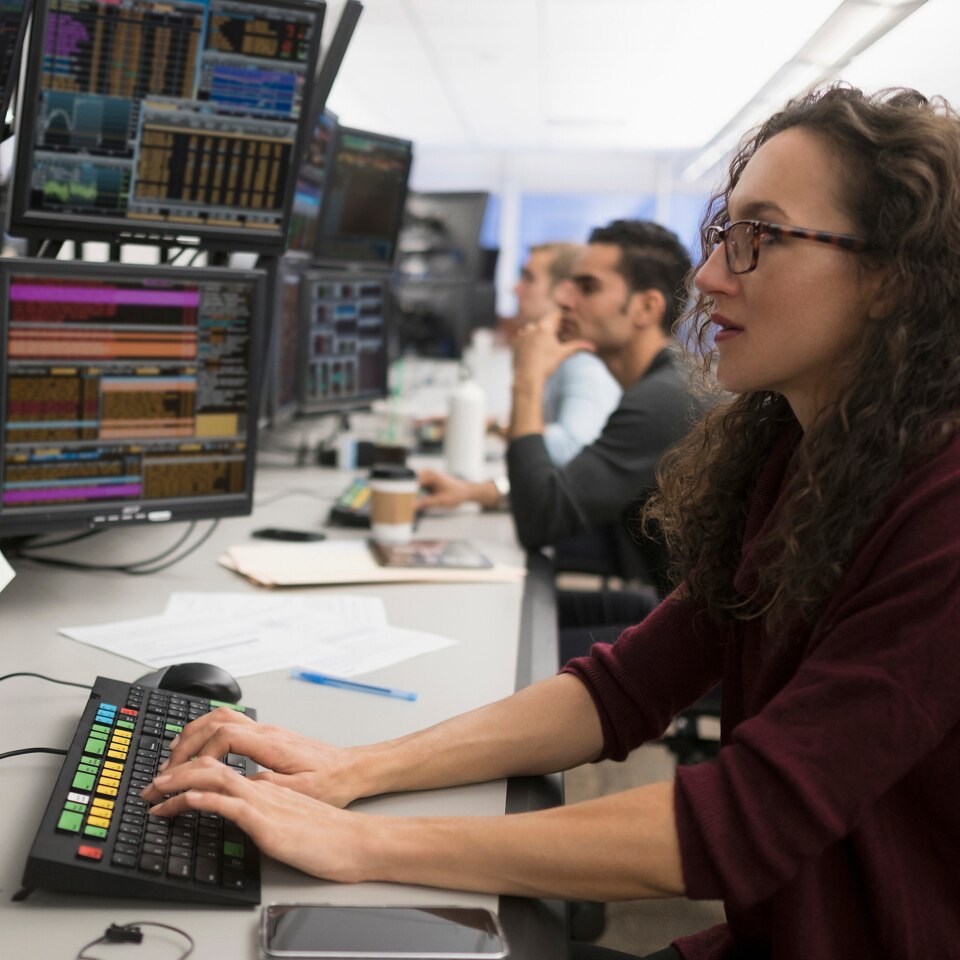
{"type": "Point", "coordinates": [537, 353]}
{"type": "Point", "coordinates": [617, 470]}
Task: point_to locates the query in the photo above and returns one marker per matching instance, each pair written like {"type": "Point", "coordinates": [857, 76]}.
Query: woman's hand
{"type": "Point", "coordinates": [309, 767]}
{"type": "Point", "coordinates": [285, 824]}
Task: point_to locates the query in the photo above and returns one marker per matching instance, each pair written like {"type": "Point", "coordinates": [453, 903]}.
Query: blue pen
{"type": "Point", "coordinates": [326, 680]}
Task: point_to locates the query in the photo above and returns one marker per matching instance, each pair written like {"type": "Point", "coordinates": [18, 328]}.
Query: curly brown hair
{"type": "Point", "coordinates": [899, 159]}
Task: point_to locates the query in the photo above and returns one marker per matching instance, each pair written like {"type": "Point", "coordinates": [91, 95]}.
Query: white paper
{"type": "Point", "coordinates": [341, 609]}
{"type": "Point", "coordinates": [238, 646]}
{"type": "Point", "coordinates": [371, 649]}
{"type": "Point", "coordinates": [341, 634]}
{"type": "Point", "coordinates": [7, 573]}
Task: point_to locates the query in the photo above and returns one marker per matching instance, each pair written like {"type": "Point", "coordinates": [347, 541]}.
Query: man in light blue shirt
{"type": "Point", "coordinates": [582, 393]}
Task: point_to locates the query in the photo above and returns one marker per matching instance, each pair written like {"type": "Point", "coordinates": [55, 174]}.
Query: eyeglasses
{"type": "Point", "coordinates": [742, 241]}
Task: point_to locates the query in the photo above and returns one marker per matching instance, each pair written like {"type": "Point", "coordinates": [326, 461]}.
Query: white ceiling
{"type": "Point", "coordinates": [611, 75]}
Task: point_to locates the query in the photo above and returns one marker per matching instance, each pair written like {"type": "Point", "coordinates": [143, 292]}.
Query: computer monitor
{"type": "Point", "coordinates": [128, 393]}
{"type": "Point", "coordinates": [164, 120]}
{"type": "Point", "coordinates": [282, 382]}
{"type": "Point", "coordinates": [363, 199]}
{"type": "Point", "coordinates": [345, 357]}
{"type": "Point", "coordinates": [441, 231]}
{"type": "Point", "coordinates": [309, 188]}
{"type": "Point", "coordinates": [435, 318]}
{"type": "Point", "coordinates": [13, 23]}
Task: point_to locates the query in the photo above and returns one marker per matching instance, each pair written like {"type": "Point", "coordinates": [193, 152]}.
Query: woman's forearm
{"type": "Point", "coordinates": [549, 726]}
{"type": "Point", "coordinates": [619, 847]}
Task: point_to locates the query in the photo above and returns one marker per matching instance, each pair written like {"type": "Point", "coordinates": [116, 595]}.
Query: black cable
{"type": "Point", "coordinates": [62, 541]}
{"type": "Point", "coordinates": [131, 933]}
{"type": "Point", "coordinates": [138, 567]}
{"type": "Point", "coordinates": [41, 676]}
{"type": "Point", "coordinates": [19, 753]}
{"type": "Point", "coordinates": [141, 572]}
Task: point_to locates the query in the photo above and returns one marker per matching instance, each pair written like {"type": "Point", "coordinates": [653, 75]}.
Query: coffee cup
{"type": "Point", "coordinates": [393, 498]}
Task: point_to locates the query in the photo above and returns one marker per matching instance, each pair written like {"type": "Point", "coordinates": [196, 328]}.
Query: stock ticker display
{"type": "Point", "coordinates": [133, 389]}
{"type": "Point", "coordinates": [167, 117]}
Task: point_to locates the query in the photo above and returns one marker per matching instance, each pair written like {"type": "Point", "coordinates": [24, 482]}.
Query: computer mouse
{"type": "Point", "coordinates": [199, 679]}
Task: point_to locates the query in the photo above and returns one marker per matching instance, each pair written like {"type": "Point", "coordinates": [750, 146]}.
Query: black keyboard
{"type": "Point", "coordinates": [352, 506]}
{"type": "Point", "coordinates": [96, 835]}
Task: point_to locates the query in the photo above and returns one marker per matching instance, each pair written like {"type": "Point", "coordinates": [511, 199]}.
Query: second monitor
{"type": "Point", "coordinates": [345, 323]}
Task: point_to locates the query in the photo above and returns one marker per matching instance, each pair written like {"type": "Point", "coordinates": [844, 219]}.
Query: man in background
{"type": "Point", "coordinates": [580, 394]}
{"type": "Point", "coordinates": [623, 296]}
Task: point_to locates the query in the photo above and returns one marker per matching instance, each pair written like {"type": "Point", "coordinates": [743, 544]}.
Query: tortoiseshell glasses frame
{"type": "Point", "coordinates": [742, 238]}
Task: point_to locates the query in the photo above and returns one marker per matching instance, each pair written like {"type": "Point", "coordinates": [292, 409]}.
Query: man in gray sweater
{"type": "Point", "coordinates": [625, 291]}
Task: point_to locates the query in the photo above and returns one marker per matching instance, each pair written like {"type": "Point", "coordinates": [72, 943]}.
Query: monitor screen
{"type": "Point", "coordinates": [13, 21]}
{"type": "Point", "coordinates": [129, 393]}
{"type": "Point", "coordinates": [346, 327]}
{"type": "Point", "coordinates": [309, 187]}
{"type": "Point", "coordinates": [363, 199]}
{"type": "Point", "coordinates": [164, 119]}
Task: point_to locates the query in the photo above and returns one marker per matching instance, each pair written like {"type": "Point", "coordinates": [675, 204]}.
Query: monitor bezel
{"type": "Point", "coordinates": [105, 514]}
{"type": "Point", "coordinates": [275, 414]}
{"type": "Point", "coordinates": [333, 262]}
{"type": "Point", "coordinates": [31, 224]}
{"type": "Point", "coordinates": [306, 172]}
{"type": "Point", "coordinates": [12, 79]}
{"type": "Point", "coordinates": [310, 407]}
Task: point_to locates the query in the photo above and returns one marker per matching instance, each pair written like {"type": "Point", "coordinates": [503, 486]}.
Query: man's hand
{"type": "Point", "coordinates": [538, 351]}
{"type": "Point", "coordinates": [447, 491]}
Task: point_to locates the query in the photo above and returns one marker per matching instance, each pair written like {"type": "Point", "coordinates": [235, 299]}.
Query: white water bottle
{"type": "Point", "coordinates": [466, 431]}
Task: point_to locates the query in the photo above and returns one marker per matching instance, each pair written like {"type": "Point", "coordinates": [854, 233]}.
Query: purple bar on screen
{"type": "Point", "coordinates": [38, 293]}
{"type": "Point", "coordinates": [73, 493]}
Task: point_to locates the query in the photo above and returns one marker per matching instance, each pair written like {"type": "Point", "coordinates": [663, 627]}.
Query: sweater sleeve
{"type": "Point", "coordinates": [874, 694]}
{"type": "Point", "coordinates": [654, 670]}
{"type": "Point", "coordinates": [550, 504]}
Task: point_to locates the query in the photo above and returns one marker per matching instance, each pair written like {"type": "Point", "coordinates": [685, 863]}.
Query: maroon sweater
{"type": "Point", "coordinates": [830, 824]}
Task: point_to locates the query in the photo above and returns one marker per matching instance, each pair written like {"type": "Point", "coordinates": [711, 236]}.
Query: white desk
{"type": "Point", "coordinates": [488, 662]}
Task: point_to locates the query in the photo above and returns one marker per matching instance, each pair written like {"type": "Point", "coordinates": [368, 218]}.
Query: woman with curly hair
{"type": "Point", "coordinates": [814, 522]}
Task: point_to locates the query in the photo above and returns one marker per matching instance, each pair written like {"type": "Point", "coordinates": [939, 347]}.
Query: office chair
{"type": "Point", "coordinates": [685, 739]}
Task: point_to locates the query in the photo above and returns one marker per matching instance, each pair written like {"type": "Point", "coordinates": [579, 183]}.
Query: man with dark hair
{"type": "Point", "coordinates": [623, 295]}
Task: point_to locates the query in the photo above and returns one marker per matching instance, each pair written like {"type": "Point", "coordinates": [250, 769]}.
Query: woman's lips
{"type": "Point", "coordinates": [728, 329]}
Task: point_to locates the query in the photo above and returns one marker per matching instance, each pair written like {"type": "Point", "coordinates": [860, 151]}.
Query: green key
{"type": "Point", "coordinates": [232, 706]}
{"type": "Point", "coordinates": [76, 807]}
{"type": "Point", "coordinates": [125, 724]}
{"type": "Point", "coordinates": [232, 849]}
{"type": "Point", "coordinates": [90, 761]}
{"type": "Point", "coordinates": [95, 746]}
{"type": "Point", "coordinates": [88, 768]}
{"type": "Point", "coordinates": [174, 727]}
{"type": "Point", "coordinates": [83, 781]}
{"type": "Point", "coordinates": [100, 728]}
{"type": "Point", "coordinates": [95, 832]}
{"type": "Point", "coordinates": [70, 822]}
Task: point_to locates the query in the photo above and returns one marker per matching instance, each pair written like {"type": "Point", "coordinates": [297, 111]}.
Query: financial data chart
{"type": "Point", "coordinates": [346, 353]}
{"type": "Point", "coordinates": [162, 119]}
{"type": "Point", "coordinates": [125, 389]}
